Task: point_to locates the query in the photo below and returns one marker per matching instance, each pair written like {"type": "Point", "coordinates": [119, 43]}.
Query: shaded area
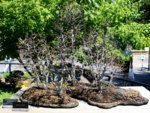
{"type": "Point", "coordinates": [6, 91]}
{"type": "Point", "coordinates": [140, 79]}
{"type": "Point", "coordinates": [143, 77]}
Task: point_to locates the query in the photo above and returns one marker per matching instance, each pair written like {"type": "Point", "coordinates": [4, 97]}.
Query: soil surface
{"type": "Point", "coordinates": [48, 98]}
{"type": "Point", "coordinates": [108, 97]}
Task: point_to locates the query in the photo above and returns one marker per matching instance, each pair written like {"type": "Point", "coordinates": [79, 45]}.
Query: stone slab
{"type": "Point", "coordinates": [85, 108]}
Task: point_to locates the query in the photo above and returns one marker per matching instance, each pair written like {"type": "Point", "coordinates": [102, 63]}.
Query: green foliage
{"type": "Point", "coordinates": [5, 74]}
{"type": "Point", "coordinates": [111, 12]}
{"type": "Point", "coordinates": [135, 34]}
{"type": "Point", "coordinates": [122, 57]}
{"type": "Point", "coordinates": [21, 17]}
{"type": "Point", "coordinates": [81, 56]}
{"type": "Point", "coordinates": [8, 74]}
{"type": "Point", "coordinates": [120, 17]}
{"type": "Point", "coordinates": [27, 75]}
{"type": "Point", "coordinates": [105, 27]}
{"type": "Point", "coordinates": [6, 93]}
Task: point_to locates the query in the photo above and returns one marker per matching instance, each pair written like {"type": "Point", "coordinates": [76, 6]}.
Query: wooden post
{"type": "Point", "coordinates": [10, 69]}
{"type": "Point", "coordinates": [149, 60]}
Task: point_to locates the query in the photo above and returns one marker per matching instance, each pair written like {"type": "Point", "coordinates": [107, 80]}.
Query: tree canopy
{"type": "Point", "coordinates": [120, 20]}
{"type": "Point", "coordinates": [21, 17]}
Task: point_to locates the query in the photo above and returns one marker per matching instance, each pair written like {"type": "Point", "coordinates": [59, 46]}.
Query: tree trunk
{"type": "Point", "coordinates": [25, 67]}
{"type": "Point", "coordinates": [46, 81]}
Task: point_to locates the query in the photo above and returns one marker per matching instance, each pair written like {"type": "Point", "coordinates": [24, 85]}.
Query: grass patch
{"type": "Point", "coordinates": [6, 93]}
{"type": "Point", "coordinates": [8, 74]}
{"type": "Point", "coordinates": [27, 75]}
{"type": "Point", "coordinates": [5, 74]}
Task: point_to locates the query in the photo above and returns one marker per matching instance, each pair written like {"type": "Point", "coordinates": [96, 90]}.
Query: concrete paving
{"type": "Point", "coordinates": [13, 66]}
{"type": "Point", "coordinates": [85, 108]}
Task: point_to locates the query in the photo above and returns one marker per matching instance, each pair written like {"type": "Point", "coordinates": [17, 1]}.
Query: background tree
{"type": "Point", "coordinates": [18, 18]}
{"type": "Point", "coordinates": [135, 34]}
{"type": "Point", "coordinates": [121, 18]}
{"type": "Point", "coordinates": [21, 17]}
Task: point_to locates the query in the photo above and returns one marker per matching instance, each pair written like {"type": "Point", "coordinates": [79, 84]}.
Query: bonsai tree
{"type": "Point", "coordinates": [35, 50]}
{"type": "Point", "coordinates": [69, 26]}
{"type": "Point", "coordinates": [101, 56]}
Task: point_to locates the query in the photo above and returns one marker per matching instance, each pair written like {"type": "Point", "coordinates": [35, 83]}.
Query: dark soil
{"type": "Point", "coordinates": [48, 98]}
{"type": "Point", "coordinates": [14, 78]}
{"type": "Point", "coordinates": [107, 98]}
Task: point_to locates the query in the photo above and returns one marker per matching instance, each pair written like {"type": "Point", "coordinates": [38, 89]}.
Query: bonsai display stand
{"type": "Point", "coordinates": [84, 107]}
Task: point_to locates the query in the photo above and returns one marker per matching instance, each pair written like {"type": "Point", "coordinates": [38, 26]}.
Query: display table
{"type": "Point", "coordinates": [85, 108]}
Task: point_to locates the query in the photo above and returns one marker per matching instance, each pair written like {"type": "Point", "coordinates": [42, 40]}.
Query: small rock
{"type": "Point", "coordinates": [2, 79]}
